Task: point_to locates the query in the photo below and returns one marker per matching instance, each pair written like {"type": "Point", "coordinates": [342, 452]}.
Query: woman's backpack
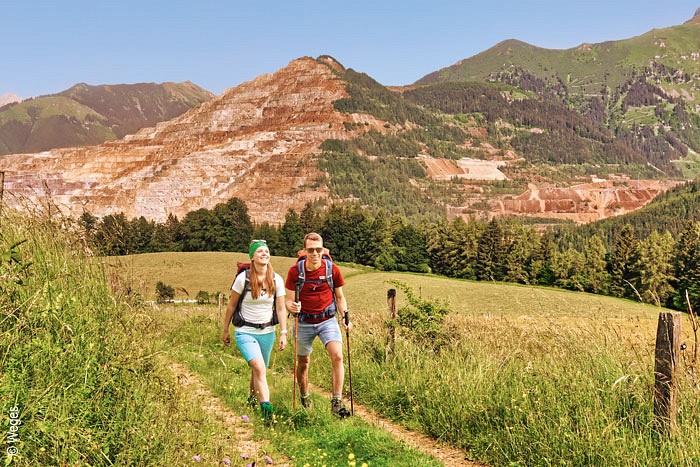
{"type": "Point", "coordinates": [237, 319]}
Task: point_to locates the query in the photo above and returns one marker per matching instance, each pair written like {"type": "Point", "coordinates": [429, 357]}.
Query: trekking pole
{"type": "Point", "coordinates": [347, 337]}
{"type": "Point", "coordinates": [297, 290]}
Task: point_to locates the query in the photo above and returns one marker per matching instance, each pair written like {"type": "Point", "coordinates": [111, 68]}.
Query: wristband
{"type": "Point", "coordinates": [283, 331]}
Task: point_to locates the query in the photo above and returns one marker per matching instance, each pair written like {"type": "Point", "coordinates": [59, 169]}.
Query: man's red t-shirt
{"type": "Point", "coordinates": [314, 297]}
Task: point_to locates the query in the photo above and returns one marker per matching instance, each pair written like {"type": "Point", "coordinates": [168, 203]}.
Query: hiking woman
{"type": "Point", "coordinates": [262, 296]}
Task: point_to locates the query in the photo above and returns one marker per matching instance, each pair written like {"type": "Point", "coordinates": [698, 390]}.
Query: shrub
{"type": "Point", "coordinates": [164, 292]}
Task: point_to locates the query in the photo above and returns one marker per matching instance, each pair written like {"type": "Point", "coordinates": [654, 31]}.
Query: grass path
{"type": "Point", "coordinates": [242, 440]}
{"type": "Point", "coordinates": [448, 455]}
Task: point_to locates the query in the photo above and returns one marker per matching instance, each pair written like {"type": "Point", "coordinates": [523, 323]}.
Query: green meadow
{"type": "Point", "coordinates": [525, 375]}
{"type": "Point", "coordinates": [516, 375]}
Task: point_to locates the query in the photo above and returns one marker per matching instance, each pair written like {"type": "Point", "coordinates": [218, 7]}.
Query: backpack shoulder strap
{"type": "Point", "coordinates": [329, 275]}
{"type": "Point", "coordinates": [246, 288]}
{"type": "Point", "coordinates": [301, 269]}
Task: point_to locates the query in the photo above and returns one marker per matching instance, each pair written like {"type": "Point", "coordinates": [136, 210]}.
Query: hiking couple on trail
{"type": "Point", "coordinates": [314, 297]}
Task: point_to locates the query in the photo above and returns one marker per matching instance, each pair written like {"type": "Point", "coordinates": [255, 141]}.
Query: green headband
{"type": "Point", "coordinates": [254, 246]}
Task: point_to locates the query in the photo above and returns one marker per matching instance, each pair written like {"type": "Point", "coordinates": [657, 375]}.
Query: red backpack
{"type": "Point", "coordinates": [301, 269]}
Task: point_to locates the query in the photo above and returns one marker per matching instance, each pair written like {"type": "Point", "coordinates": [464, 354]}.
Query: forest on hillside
{"type": "Point", "coordinates": [629, 256]}
{"type": "Point", "coordinates": [568, 137]}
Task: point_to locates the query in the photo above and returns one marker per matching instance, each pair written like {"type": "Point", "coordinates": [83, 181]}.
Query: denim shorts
{"type": "Point", "coordinates": [255, 345]}
{"type": "Point", "coordinates": [327, 331]}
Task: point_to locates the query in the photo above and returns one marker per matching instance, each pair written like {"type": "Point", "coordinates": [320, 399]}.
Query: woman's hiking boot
{"type": "Point", "coordinates": [306, 401]}
{"type": "Point", "coordinates": [268, 413]}
{"type": "Point", "coordinates": [337, 408]}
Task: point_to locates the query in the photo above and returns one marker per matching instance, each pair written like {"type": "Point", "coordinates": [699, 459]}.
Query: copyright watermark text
{"type": "Point", "coordinates": [12, 437]}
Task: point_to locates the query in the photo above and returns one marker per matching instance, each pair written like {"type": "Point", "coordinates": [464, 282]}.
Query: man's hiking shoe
{"type": "Point", "coordinates": [268, 413]}
{"type": "Point", "coordinates": [337, 408]}
{"type": "Point", "coordinates": [252, 401]}
{"type": "Point", "coordinates": [306, 401]}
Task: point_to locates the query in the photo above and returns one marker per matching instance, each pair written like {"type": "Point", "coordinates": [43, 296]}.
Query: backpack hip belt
{"type": "Point", "coordinates": [328, 312]}
{"type": "Point", "coordinates": [331, 309]}
{"type": "Point", "coordinates": [255, 325]}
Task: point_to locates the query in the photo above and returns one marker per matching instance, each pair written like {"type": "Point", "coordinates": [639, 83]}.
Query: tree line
{"type": "Point", "coordinates": [657, 267]}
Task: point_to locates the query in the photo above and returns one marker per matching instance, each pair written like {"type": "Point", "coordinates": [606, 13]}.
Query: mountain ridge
{"type": "Point", "coordinates": [314, 131]}
{"type": "Point", "coordinates": [253, 142]}
{"type": "Point", "coordinates": [90, 115]}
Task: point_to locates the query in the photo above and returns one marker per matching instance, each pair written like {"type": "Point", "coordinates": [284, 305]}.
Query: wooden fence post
{"type": "Point", "coordinates": [668, 341]}
{"type": "Point", "coordinates": [391, 339]}
{"type": "Point", "coordinates": [221, 301]}
{"type": "Point", "coordinates": [2, 188]}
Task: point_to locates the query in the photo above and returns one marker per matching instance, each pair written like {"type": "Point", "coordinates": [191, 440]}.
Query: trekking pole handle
{"type": "Point", "coordinates": [347, 317]}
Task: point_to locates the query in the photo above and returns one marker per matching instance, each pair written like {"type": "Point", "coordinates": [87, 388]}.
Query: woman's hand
{"type": "Point", "coordinates": [226, 338]}
{"type": "Point", "coordinates": [283, 342]}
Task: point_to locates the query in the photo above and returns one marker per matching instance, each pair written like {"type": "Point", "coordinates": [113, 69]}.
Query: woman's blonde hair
{"type": "Point", "coordinates": [256, 285]}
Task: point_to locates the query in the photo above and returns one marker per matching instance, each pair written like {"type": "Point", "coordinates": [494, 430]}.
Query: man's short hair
{"type": "Point", "coordinates": [313, 236]}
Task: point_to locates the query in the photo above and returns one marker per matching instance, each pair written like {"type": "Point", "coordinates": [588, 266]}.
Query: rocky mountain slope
{"type": "Point", "coordinates": [257, 141]}
{"type": "Point", "coordinates": [85, 115]}
{"type": "Point", "coordinates": [311, 131]}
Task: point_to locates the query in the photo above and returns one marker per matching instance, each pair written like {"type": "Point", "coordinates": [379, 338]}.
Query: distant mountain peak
{"type": "Point", "coordinates": [695, 19]}
{"type": "Point", "coordinates": [9, 99]}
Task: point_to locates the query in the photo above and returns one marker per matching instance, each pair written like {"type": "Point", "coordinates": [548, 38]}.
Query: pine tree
{"type": "Point", "coordinates": [541, 264]}
{"type": "Point", "coordinates": [595, 274]}
{"type": "Point", "coordinates": [687, 268]}
{"type": "Point", "coordinates": [231, 226]}
{"type": "Point", "coordinates": [311, 217]}
{"type": "Point", "coordinates": [569, 268]}
{"type": "Point", "coordinates": [270, 234]}
{"type": "Point", "coordinates": [291, 234]}
{"type": "Point", "coordinates": [655, 267]}
{"type": "Point", "coordinates": [410, 249]}
{"type": "Point", "coordinates": [520, 252]}
{"type": "Point", "coordinates": [621, 261]}
{"type": "Point", "coordinates": [491, 253]}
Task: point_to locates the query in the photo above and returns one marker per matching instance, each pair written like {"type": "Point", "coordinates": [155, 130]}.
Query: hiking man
{"type": "Point", "coordinates": [321, 304]}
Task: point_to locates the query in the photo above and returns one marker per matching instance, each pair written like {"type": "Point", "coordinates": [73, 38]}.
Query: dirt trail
{"type": "Point", "coordinates": [448, 455]}
{"type": "Point", "coordinates": [243, 432]}
{"type": "Point", "coordinates": [242, 437]}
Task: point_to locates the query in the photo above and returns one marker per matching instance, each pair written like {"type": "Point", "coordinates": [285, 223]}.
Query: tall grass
{"type": "Point", "coordinates": [531, 376]}
{"type": "Point", "coordinates": [308, 438]}
{"type": "Point", "coordinates": [78, 368]}
{"type": "Point", "coordinates": [538, 393]}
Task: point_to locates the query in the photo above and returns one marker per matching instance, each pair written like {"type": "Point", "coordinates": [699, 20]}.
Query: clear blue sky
{"type": "Point", "coordinates": [48, 46]}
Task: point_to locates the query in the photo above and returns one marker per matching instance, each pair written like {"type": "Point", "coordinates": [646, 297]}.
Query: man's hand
{"type": "Point", "coordinates": [294, 307]}
{"type": "Point", "coordinates": [346, 319]}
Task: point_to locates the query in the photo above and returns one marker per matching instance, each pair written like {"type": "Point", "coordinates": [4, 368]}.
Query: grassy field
{"type": "Point", "coordinates": [188, 273]}
{"type": "Point", "coordinates": [86, 379]}
{"type": "Point", "coordinates": [517, 375]}
{"type": "Point", "coordinates": [525, 375]}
